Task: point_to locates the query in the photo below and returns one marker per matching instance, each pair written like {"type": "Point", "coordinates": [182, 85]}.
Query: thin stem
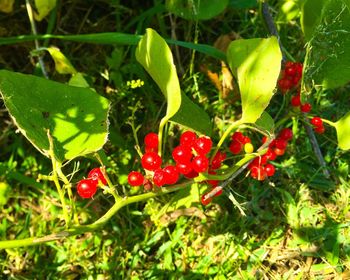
{"type": "Point", "coordinates": [162, 123]}
{"type": "Point", "coordinates": [120, 202]}
{"type": "Point", "coordinates": [36, 42]}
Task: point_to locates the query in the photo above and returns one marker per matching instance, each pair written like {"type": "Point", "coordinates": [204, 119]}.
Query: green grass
{"type": "Point", "coordinates": [296, 224]}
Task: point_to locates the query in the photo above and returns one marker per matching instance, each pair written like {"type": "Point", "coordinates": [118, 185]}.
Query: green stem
{"type": "Point", "coordinates": [163, 122]}
{"type": "Point", "coordinates": [120, 203]}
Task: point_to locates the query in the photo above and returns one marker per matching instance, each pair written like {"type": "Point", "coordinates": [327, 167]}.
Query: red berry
{"type": "Point", "coordinates": [205, 199]}
{"type": "Point", "coordinates": [202, 145]}
{"type": "Point", "coordinates": [182, 154]}
{"type": "Point", "coordinates": [289, 64]}
{"type": "Point", "coordinates": [264, 139]}
{"type": "Point", "coordinates": [184, 168]}
{"type": "Point", "coordinates": [151, 140]}
{"type": "Point", "coordinates": [286, 134]}
{"type": "Point", "coordinates": [192, 174]}
{"type": "Point", "coordinates": [279, 152]}
{"type": "Point", "coordinates": [269, 169]}
{"type": "Point", "coordinates": [296, 80]}
{"type": "Point", "coordinates": [135, 178]}
{"type": "Point", "coordinates": [270, 154]}
{"type": "Point", "coordinates": [281, 144]}
{"type": "Point", "coordinates": [258, 172]}
{"type": "Point", "coordinates": [147, 185]}
{"type": "Point", "coordinates": [151, 161]}
{"type": "Point", "coordinates": [295, 101]}
{"type": "Point", "coordinates": [150, 149]}
{"type": "Point", "coordinates": [235, 147]}
{"type": "Point", "coordinates": [187, 138]}
{"type": "Point", "coordinates": [217, 160]}
{"type": "Point", "coordinates": [258, 161]}
{"type": "Point", "coordinates": [320, 129]}
{"type": "Point", "coordinates": [171, 174]}
{"type": "Point", "coordinates": [238, 137]}
{"type": "Point", "coordinates": [159, 177]}
{"type": "Point", "coordinates": [200, 163]}
{"type": "Point", "coordinates": [285, 85]}
{"type": "Point", "coordinates": [213, 183]}
{"type": "Point", "coordinates": [97, 175]}
{"type": "Point", "coordinates": [305, 108]}
{"type": "Point", "coordinates": [316, 121]}
{"type": "Point", "coordinates": [290, 71]}
{"type": "Point", "coordinates": [86, 188]}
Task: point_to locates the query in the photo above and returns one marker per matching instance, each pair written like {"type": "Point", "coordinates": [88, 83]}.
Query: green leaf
{"type": "Point", "coordinates": [155, 56]}
{"type": "Point", "coordinates": [256, 63]}
{"type": "Point", "coordinates": [62, 64]}
{"type": "Point", "coordinates": [76, 117]}
{"type": "Point", "coordinates": [310, 18]}
{"type": "Point", "coordinates": [196, 9]}
{"type": "Point", "coordinates": [43, 8]}
{"type": "Point", "coordinates": [328, 52]}
{"type": "Point", "coordinates": [243, 4]}
{"type": "Point", "coordinates": [266, 122]}
{"type": "Point", "coordinates": [342, 127]}
{"type": "Point", "coordinates": [192, 116]}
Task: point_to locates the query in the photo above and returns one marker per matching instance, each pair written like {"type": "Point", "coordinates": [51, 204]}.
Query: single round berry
{"type": "Point", "coordinates": [184, 168]}
{"type": "Point", "coordinates": [97, 175]}
{"type": "Point", "coordinates": [281, 144]}
{"type": "Point", "coordinates": [258, 161]}
{"type": "Point", "coordinates": [187, 138]}
{"type": "Point", "coordinates": [235, 147]}
{"type": "Point", "coordinates": [159, 177]}
{"type": "Point", "coordinates": [290, 71]}
{"type": "Point", "coordinates": [135, 178]}
{"type": "Point", "coordinates": [217, 160]}
{"type": "Point", "coordinates": [151, 140]}
{"type": "Point", "coordinates": [205, 199]}
{"type": "Point", "coordinates": [238, 137]}
{"type": "Point", "coordinates": [200, 163]}
{"type": "Point", "coordinates": [305, 108]}
{"type": "Point", "coordinates": [320, 129]}
{"type": "Point", "coordinates": [295, 101]}
{"type": "Point", "coordinates": [171, 174]}
{"type": "Point", "coordinates": [270, 155]}
{"type": "Point", "coordinates": [258, 172]}
{"type": "Point", "coordinates": [182, 154]}
{"type": "Point", "coordinates": [248, 148]}
{"type": "Point", "coordinates": [86, 188]}
{"type": "Point", "coordinates": [286, 134]}
{"type": "Point", "coordinates": [151, 161]}
{"type": "Point", "coordinates": [285, 85]}
{"type": "Point", "coordinates": [202, 145]}
{"type": "Point", "coordinates": [279, 152]}
{"type": "Point", "coordinates": [269, 169]}
{"type": "Point", "coordinates": [316, 121]}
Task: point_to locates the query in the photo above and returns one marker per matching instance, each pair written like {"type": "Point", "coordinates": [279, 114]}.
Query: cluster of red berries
{"type": "Point", "coordinates": [86, 188]}
{"type": "Point", "coordinates": [260, 168]}
{"type": "Point", "coordinates": [296, 102]}
{"type": "Point", "coordinates": [318, 125]}
{"type": "Point", "coordinates": [291, 75]}
{"type": "Point", "coordinates": [240, 142]}
{"type": "Point", "coordinates": [190, 159]}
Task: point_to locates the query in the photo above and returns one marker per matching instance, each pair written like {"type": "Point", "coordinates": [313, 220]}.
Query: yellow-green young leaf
{"type": "Point", "coordinates": [343, 132]}
{"type": "Point", "coordinates": [256, 63]}
{"type": "Point", "coordinates": [155, 56]}
{"type": "Point", "coordinates": [62, 64]}
{"type": "Point", "coordinates": [6, 6]}
{"type": "Point", "coordinates": [43, 8]}
{"type": "Point", "coordinates": [75, 117]}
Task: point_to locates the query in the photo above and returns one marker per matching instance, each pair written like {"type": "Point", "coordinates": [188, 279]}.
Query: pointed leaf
{"type": "Point", "coordinates": [43, 8]}
{"type": "Point", "coordinates": [256, 64]}
{"type": "Point", "coordinates": [155, 56]}
{"type": "Point", "coordinates": [343, 132]}
{"type": "Point", "coordinates": [76, 117]}
{"type": "Point", "coordinates": [62, 64]}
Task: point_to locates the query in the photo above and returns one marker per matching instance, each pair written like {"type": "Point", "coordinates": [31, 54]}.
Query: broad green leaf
{"type": "Point", "coordinates": [43, 8]}
{"type": "Point", "coordinates": [78, 80]}
{"type": "Point", "coordinates": [62, 64]}
{"type": "Point", "coordinates": [311, 13]}
{"type": "Point", "coordinates": [328, 52]}
{"type": "Point", "coordinates": [6, 6]}
{"type": "Point", "coordinates": [256, 63]}
{"type": "Point", "coordinates": [155, 56]}
{"type": "Point", "coordinates": [196, 9]}
{"type": "Point", "coordinates": [75, 117]}
{"type": "Point", "coordinates": [192, 116]}
{"type": "Point", "coordinates": [342, 127]}
{"type": "Point", "coordinates": [266, 122]}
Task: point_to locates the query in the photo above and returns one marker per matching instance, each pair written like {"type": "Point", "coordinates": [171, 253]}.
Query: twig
{"type": "Point", "coordinates": [34, 31]}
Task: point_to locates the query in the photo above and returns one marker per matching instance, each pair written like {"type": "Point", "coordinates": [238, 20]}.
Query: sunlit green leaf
{"type": "Point", "coordinates": [62, 64]}
{"type": "Point", "coordinates": [75, 117]}
{"type": "Point", "coordinates": [266, 122]}
{"type": "Point", "coordinates": [256, 63]}
{"type": "Point", "coordinates": [155, 56]}
{"type": "Point", "coordinates": [343, 132]}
